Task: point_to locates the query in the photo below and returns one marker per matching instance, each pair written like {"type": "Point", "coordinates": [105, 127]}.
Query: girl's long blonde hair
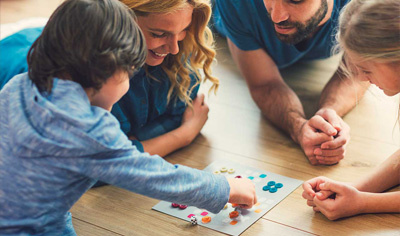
{"type": "Point", "coordinates": [371, 30]}
{"type": "Point", "coordinates": [196, 50]}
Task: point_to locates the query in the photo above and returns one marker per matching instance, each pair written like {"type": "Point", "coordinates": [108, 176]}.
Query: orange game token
{"type": "Point", "coordinates": [206, 219]}
{"type": "Point", "coordinates": [235, 205]}
{"type": "Point", "coordinates": [233, 214]}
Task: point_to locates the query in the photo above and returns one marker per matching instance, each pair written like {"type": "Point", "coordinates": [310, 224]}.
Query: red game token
{"type": "Point", "coordinates": [182, 206]}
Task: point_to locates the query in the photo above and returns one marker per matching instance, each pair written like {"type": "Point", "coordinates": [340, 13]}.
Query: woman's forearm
{"type": "Point", "coordinates": [168, 142]}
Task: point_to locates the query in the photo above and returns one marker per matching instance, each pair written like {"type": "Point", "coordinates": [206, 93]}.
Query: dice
{"type": "Point", "coordinates": [193, 220]}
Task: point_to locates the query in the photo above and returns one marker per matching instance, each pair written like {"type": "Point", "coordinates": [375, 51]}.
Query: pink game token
{"type": "Point", "coordinates": [175, 205]}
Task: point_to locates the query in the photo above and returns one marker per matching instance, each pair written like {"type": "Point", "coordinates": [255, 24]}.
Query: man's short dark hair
{"type": "Point", "coordinates": [86, 41]}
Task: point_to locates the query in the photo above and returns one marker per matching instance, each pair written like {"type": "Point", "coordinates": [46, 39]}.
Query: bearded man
{"type": "Point", "coordinates": [266, 36]}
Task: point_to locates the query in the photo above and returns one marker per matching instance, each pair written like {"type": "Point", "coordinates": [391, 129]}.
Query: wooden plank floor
{"type": "Point", "coordinates": [236, 131]}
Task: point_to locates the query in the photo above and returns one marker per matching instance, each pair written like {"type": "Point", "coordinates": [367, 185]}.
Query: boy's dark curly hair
{"type": "Point", "coordinates": [86, 41]}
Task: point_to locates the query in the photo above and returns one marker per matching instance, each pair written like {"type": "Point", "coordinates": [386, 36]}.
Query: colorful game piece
{"type": "Point", "coordinates": [250, 177]}
{"type": "Point", "coordinates": [231, 171]}
{"type": "Point", "coordinates": [217, 172]}
{"type": "Point", "coordinates": [182, 207]}
{"type": "Point", "coordinates": [263, 176]}
{"type": "Point", "coordinates": [233, 214]}
{"type": "Point", "coordinates": [266, 187]}
{"type": "Point", "coordinates": [190, 215]}
{"type": "Point", "coordinates": [273, 190]}
{"type": "Point", "coordinates": [271, 183]}
{"type": "Point", "coordinates": [193, 220]}
{"type": "Point", "coordinates": [233, 222]}
{"type": "Point", "coordinates": [226, 206]}
{"type": "Point", "coordinates": [238, 177]}
{"type": "Point", "coordinates": [206, 219]}
{"type": "Point", "coordinates": [278, 185]}
{"type": "Point", "coordinates": [235, 205]}
{"type": "Point", "coordinates": [223, 169]}
{"type": "Point", "coordinates": [204, 213]}
{"type": "Point", "coordinates": [175, 205]}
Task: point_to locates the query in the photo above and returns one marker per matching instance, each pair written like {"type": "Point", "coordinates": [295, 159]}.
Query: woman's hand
{"type": "Point", "coordinates": [194, 118]}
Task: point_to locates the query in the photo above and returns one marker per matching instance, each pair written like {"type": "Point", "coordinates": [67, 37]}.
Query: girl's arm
{"type": "Point", "coordinates": [385, 176]}
{"type": "Point", "coordinates": [381, 202]}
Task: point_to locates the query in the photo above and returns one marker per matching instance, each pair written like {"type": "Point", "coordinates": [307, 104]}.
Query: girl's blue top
{"type": "Point", "coordinates": [143, 112]}
{"type": "Point", "coordinates": [54, 147]}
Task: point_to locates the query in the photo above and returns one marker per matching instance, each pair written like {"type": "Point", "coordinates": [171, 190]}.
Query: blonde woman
{"type": "Point", "coordinates": [369, 34]}
{"type": "Point", "coordinates": [161, 112]}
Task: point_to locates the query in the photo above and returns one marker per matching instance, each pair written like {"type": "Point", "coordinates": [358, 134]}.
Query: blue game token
{"type": "Point", "coordinates": [250, 177]}
{"type": "Point", "coordinates": [263, 176]}
{"type": "Point", "coordinates": [278, 185]}
{"type": "Point", "coordinates": [273, 190]}
{"type": "Point", "coordinates": [266, 188]}
{"type": "Point", "coordinates": [271, 183]}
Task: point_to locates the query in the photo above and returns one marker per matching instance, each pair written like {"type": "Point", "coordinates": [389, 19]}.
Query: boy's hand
{"type": "Point", "coordinates": [242, 192]}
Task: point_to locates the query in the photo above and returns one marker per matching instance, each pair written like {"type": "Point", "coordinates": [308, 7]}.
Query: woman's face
{"type": "Point", "coordinates": [163, 32]}
{"type": "Point", "coordinates": [386, 76]}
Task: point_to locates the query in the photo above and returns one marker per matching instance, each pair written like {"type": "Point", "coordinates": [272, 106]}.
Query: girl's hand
{"type": "Point", "coordinates": [311, 187]}
{"type": "Point", "coordinates": [347, 202]}
{"type": "Point", "coordinates": [195, 117]}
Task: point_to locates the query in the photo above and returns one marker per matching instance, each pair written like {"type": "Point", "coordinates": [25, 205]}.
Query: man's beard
{"type": "Point", "coordinates": [303, 30]}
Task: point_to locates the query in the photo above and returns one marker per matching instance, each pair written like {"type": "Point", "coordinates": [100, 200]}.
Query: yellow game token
{"type": "Point", "coordinates": [223, 169]}
{"type": "Point", "coordinates": [231, 171]}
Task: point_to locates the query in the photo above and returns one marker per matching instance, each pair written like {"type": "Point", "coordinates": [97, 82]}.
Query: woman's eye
{"type": "Point", "coordinates": [295, 1]}
{"type": "Point", "coordinates": [158, 35]}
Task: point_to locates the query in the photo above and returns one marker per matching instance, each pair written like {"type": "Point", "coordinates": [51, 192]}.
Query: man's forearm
{"type": "Point", "coordinates": [281, 106]}
{"type": "Point", "coordinates": [342, 94]}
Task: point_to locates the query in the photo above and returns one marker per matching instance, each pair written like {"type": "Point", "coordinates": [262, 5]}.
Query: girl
{"type": "Point", "coordinates": [57, 136]}
{"type": "Point", "coordinates": [369, 34]}
{"type": "Point", "coordinates": [161, 111]}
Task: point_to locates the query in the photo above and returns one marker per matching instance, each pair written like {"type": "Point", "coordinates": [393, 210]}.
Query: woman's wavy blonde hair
{"type": "Point", "coordinates": [196, 50]}
{"type": "Point", "coordinates": [371, 30]}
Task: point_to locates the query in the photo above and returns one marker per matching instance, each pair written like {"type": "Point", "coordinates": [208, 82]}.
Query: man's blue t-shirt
{"type": "Point", "coordinates": [248, 26]}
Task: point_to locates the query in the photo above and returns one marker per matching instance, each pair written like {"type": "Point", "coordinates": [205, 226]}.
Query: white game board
{"type": "Point", "coordinates": [235, 226]}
